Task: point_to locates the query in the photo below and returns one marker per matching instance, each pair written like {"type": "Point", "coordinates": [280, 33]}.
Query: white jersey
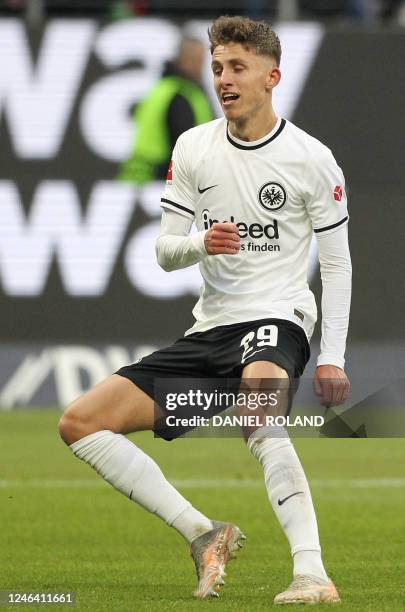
{"type": "Point", "coordinates": [278, 191]}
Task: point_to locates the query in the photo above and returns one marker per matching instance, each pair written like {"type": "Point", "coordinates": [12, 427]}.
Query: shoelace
{"type": "Point", "coordinates": [302, 581]}
{"type": "Point", "coordinates": [219, 545]}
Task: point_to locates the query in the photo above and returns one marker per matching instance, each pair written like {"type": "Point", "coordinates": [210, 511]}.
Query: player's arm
{"type": "Point", "coordinates": [330, 382]}
{"type": "Point", "coordinates": [327, 207]}
{"type": "Point", "coordinates": [176, 249]}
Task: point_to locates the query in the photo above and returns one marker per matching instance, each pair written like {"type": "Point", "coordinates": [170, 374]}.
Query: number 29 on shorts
{"type": "Point", "coordinates": [256, 341]}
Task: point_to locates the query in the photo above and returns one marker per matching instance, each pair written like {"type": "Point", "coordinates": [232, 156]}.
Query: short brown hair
{"type": "Point", "coordinates": [256, 35]}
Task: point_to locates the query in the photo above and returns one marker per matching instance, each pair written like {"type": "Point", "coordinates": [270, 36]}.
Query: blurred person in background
{"type": "Point", "coordinates": [14, 5]}
{"type": "Point", "coordinates": [176, 103]}
{"type": "Point", "coordinates": [258, 9]}
{"type": "Point", "coordinates": [124, 9]}
{"type": "Point", "coordinates": [362, 11]}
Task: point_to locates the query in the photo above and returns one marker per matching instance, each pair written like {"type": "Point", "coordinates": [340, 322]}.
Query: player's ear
{"type": "Point", "coordinates": [273, 77]}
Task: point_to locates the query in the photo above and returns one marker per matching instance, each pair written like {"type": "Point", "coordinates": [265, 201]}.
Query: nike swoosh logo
{"type": "Point", "coordinates": [254, 353]}
{"type": "Point", "coordinates": [281, 501]}
{"type": "Point", "coordinates": [206, 188]}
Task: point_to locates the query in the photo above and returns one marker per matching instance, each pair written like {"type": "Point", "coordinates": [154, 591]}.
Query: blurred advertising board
{"type": "Point", "coordinates": [77, 261]}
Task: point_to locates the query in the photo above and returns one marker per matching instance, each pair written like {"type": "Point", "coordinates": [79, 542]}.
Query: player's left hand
{"type": "Point", "coordinates": [331, 385]}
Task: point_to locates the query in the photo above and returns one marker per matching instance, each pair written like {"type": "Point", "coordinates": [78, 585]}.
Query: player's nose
{"type": "Point", "coordinates": [226, 78]}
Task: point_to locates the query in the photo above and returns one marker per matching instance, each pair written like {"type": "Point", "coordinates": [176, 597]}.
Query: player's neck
{"type": "Point", "coordinates": [253, 128]}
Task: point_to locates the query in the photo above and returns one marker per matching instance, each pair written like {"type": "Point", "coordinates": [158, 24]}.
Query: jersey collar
{"type": "Point", "coordinates": [256, 144]}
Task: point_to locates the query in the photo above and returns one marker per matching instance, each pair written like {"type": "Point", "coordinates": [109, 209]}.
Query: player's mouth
{"type": "Point", "coordinates": [229, 98]}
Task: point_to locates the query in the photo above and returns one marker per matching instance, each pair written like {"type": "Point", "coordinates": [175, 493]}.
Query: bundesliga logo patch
{"type": "Point", "coordinates": [169, 176]}
{"type": "Point", "coordinates": [338, 193]}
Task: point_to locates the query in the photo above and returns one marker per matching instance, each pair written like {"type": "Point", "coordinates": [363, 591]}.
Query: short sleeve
{"type": "Point", "coordinates": [325, 193]}
{"type": "Point", "coordinates": [178, 194]}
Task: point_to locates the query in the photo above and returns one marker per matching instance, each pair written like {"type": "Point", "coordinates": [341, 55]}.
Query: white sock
{"type": "Point", "coordinates": [286, 483]}
{"type": "Point", "coordinates": [191, 524]}
{"type": "Point", "coordinates": [127, 468]}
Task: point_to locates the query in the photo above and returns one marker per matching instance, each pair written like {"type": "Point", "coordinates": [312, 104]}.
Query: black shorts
{"type": "Point", "coordinates": [223, 352]}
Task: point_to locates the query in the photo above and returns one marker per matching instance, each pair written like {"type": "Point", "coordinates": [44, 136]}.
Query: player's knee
{"type": "Point", "coordinates": [66, 427]}
{"type": "Point", "coordinates": [72, 427]}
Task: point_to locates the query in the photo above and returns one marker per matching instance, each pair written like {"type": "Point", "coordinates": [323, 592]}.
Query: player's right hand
{"type": "Point", "coordinates": [222, 238]}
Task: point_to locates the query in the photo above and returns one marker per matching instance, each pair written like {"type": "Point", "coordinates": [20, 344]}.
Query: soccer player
{"type": "Point", "coordinates": [256, 187]}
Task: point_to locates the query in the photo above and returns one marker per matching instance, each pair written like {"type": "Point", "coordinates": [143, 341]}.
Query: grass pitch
{"type": "Point", "coordinates": [63, 529]}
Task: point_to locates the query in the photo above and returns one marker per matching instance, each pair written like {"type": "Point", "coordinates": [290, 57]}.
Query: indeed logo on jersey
{"type": "Point", "coordinates": [246, 230]}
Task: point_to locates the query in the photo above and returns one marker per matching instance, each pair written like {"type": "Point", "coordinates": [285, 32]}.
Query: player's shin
{"type": "Point", "coordinates": [290, 497]}
{"type": "Point", "coordinates": [127, 468]}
